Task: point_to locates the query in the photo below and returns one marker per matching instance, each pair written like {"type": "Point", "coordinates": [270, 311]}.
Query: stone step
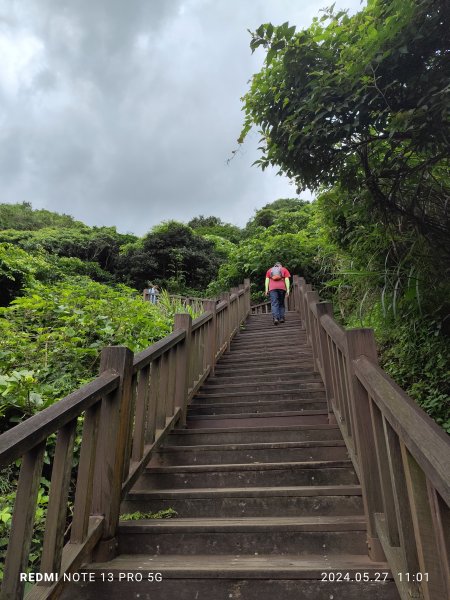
{"type": "Point", "coordinates": [248, 435]}
{"type": "Point", "coordinates": [307, 417]}
{"type": "Point", "coordinates": [220, 407]}
{"type": "Point", "coordinates": [331, 472]}
{"type": "Point", "coordinates": [293, 501]}
{"type": "Point", "coordinates": [276, 535]}
{"type": "Point", "coordinates": [250, 453]}
{"type": "Point", "coordinates": [234, 577]}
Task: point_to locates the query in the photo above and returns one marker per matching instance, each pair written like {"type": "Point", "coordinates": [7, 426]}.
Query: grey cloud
{"type": "Point", "coordinates": [126, 112]}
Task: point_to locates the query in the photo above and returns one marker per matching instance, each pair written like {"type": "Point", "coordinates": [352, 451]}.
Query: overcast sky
{"type": "Point", "coordinates": [124, 112]}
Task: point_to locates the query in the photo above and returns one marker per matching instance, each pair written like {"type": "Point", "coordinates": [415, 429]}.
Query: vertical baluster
{"type": "Point", "coordinates": [247, 296]}
{"type": "Point", "coordinates": [211, 343]}
{"type": "Point", "coordinates": [183, 321]}
{"type": "Point", "coordinates": [22, 522]}
{"type": "Point", "coordinates": [55, 523]}
{"type": "Point", "coordinates": [334, 372]}
{"type": "Point", "coordinates": [170, 408]}
{"type": "Point", "coordinates": [307, 289]}
{"type": "Point", "coordinates": [153, 394]}
{"type": "Point", "coordinates": [347, 412]}
{"type": "Point", "coordinates": [441, 524]}
{"type": "Point", "coordinates": [141, 413]}
{"type": "Point", "coordinates": [425, 534]}
{"type": "Point", "coordinates": [227, 319]}
{"type": "Point", "coordinates": [131, 424]}
{"type": "Point", "coordinates": [385, 475]}
{"type": "Point", "coordinates": [162, 393]}
{"type": "Point", "coordinates": [402, 507]}
{"type": "Point", "coordinates": [325, 308]}
{"type": "Point", "coordinates": [85, 475]}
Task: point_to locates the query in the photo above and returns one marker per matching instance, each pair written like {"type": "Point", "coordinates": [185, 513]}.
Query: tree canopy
{"type": "Point", "coordinates": [362, 102]}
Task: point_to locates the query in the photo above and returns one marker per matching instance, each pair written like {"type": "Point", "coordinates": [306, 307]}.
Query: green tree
{"type": "Point", "coordinates": [23, 217]}
{"type": "Point", "coordinates": [172, 255]}
{"type": "Point", "coordinates": [362, 102]}
{"type": "Point", "coordinates": [215, 226]}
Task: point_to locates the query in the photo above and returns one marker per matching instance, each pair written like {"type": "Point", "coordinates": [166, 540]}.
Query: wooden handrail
{"type": "Point", "coordinates": [34, 430]}
{"type": "Point", "coordinates": [128, 410]}
{"type": "Point", "coordinates": [426, 441]}
{"type": "Point", "coordinates": [401, 456]}
{"type": "Point", "coordinates": [155, 350]}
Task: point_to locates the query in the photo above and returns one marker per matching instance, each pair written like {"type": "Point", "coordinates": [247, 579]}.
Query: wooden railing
{"type": "Point", "coordinates": [127, 411]}
{"type": "Point", "coordinates": [264, 307]}
{"type": "Point", "coordinates": [401, 455]}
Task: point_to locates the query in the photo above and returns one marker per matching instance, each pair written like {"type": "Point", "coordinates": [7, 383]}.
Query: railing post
{"type": "Point", "coordinates": [212, 336]}
{"type": "Point", "coordinates": [301, 306]}
{"type": "Point", "coordinates": [247, 296]}
{"type": "Point", "coordinates": [112, 444]}
{"type": "Point", "coordinates": [227, 317]}
{"type": "Point", "coordinates": [183, 321]}
{"type": "Point", "coordinates": [312, 297]}
{"type": "Point", "coordinates": [326, 308]}
{"type": "Point", "coordinates": [362, 342]}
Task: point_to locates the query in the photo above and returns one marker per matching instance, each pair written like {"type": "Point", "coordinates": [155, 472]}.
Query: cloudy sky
{"type": "Point", "coordinates": [124, 112]}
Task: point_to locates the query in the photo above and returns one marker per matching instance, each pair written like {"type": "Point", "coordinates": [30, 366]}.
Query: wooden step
{"type": "Point", "coordinates": [248, 435]}
{"type": "Point", "coordinates": [271, 378]}
{"type": "Point", "coordinates": [326, 472]}
{"type": "Point", "coordinates": [236, 577]}
{"type": "Point", "coordinates": [287, 501]}
{"type": "Point", "coordinates": [264, 395]}
{"type": "Point", "coordinates": [229, 404]}
{"type": "Point", "coordinates": [257, 385]}
{"type": "Point", "coordinates": [275, 535]}
{"type": "Point", "coordinates": [311, 417]}
{"type": "Point", "coordinates": [250, 453]}
{"type": "Point", "coordinates": [244, 370]}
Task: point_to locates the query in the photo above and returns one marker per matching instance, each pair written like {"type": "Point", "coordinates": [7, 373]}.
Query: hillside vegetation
{"type": "Point", "coordinates": [354, 108]}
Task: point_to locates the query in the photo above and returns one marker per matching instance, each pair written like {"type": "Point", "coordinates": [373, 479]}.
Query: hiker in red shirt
{"type": "Point", "coordinates": [277, 286]}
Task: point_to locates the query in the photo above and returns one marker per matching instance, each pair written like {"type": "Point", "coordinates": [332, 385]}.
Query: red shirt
{"type": "Point", "coordinates": [278, 284]}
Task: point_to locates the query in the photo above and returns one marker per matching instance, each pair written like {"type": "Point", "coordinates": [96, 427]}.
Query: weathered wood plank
{"type": "Point", "coordinates": [162, 392]}
{"type": "Point", "coordinates": [400, 495]}
{"type": "Point", "coordinates": [142, 394]}
{"type": "Point", "coordinates": [55, 523]}
{"type": "Point", "coordinates": [28, 434]}
{"type": "Point", "coordinates": [362, 341]}
{"type": "Point", "coordinates": [138, 468]}
{"type": "Point", "coordinates": [202, 319]}
{"type": "Point", "coordinates": [112, 440]}
{"type": "Point", "coordinates": [73, 556]}
{"type": "Point", "coordinates": [426, 441]}
{"type": "Point", "coordinates": [22, 523]}
{"type": "Point", "coordinates": [85, 475]}
{"type": "Point", "coordinates": [408, 590]}
{"type": "Point", "coordinates": [432, 586]}
{"type": "Point", "coordinates": [156, 350]}
{"type": "Point", "coordinates": [440, 514]}
{"type": "Point", "coordinates": [385, 474]}
{"type": "Point", "coordinates": [153, 400]}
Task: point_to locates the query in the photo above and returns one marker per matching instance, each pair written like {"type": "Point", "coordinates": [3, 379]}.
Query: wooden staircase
{"type": "Point", "coordinates": [268, 502]}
